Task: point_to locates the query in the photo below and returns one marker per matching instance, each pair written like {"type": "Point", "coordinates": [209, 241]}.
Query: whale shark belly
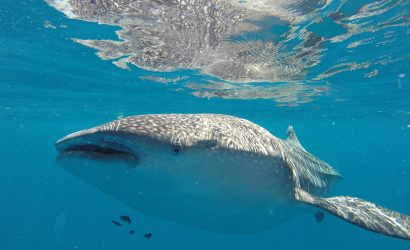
{"type": "Point", "coordinates": [218, 190]}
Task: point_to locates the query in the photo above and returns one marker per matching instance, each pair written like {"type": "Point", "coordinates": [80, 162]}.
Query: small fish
{"type": "Point", "coordinates": [148, 235]}
{"type": "Point", "coordinates": [131, 232]}
{"type": "Point", "coordinates": [116, 223]}
{"type": "Point", "coordinates": [319, 216]}
{"type": "Point", "coordinates": [125, 218]}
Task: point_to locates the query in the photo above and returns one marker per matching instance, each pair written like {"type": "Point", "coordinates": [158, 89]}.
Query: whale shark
{"type": "Point", "coordinates": [214, 172]}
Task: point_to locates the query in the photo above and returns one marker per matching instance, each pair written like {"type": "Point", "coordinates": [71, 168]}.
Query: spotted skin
{"type": "Point", "coordinates": [188, 130]}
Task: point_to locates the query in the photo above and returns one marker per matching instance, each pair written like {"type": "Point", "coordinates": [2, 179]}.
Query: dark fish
{"type": "Point", "coordinates": [319, 216]}
{"type": "Point", "coordinates": [336, 16]}
{"type": "Point", "coordinates": [148, 235]}
{"type": "Point", "coordinates": [131, 232]}
{"type": "Point", "coordinates": [125, 218]}
{"type": "Point", "coordinates": [116, 223]}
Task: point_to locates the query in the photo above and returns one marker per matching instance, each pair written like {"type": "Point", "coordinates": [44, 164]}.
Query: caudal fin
{"type": "Point", "coordinates": [361, 213]}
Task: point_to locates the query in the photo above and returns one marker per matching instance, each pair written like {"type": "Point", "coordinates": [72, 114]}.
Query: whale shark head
{"type": "Point", "coordinates": [134, 141]}
{"type": "Point", "coordinates": [147, 146]}
{"type": "Point", "coordinates": [118, 144]}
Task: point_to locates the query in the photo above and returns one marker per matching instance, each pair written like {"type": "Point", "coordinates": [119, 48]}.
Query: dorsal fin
{"type": "Point", "coordinates": [312, 174]}
{"type": "Point", "coordinates": [292, 135]}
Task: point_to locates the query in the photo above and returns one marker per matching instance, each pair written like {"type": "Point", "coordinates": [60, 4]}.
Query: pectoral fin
{"type": "Point", "coordinates": [361, 213]}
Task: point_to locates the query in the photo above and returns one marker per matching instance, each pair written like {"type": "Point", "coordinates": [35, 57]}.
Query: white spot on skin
{"type": "Point", "coordinates": [49, 25]}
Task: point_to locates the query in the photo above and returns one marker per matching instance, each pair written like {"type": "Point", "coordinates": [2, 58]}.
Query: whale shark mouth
{"type": "Point", "coordinates": [94, 148]}
{"type": "Point", "coordinates": [98, 152]}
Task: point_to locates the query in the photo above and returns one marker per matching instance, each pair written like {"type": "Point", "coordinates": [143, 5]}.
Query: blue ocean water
{"type": "Point", "coordinates": [358, 120]}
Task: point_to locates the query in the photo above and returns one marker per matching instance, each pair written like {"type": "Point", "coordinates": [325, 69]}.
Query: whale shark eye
{"type": "Point", "coordinates": [176, 148]}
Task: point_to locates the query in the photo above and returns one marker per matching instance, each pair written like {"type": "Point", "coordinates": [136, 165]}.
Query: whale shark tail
{"type": "Point", "coordinates": [312, 175]}
{"type": "Point", "coordinates": [361, 213]}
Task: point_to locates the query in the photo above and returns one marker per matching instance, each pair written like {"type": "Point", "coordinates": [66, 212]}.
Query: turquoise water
{"type": "Point", "coordinates": [348, 99]}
